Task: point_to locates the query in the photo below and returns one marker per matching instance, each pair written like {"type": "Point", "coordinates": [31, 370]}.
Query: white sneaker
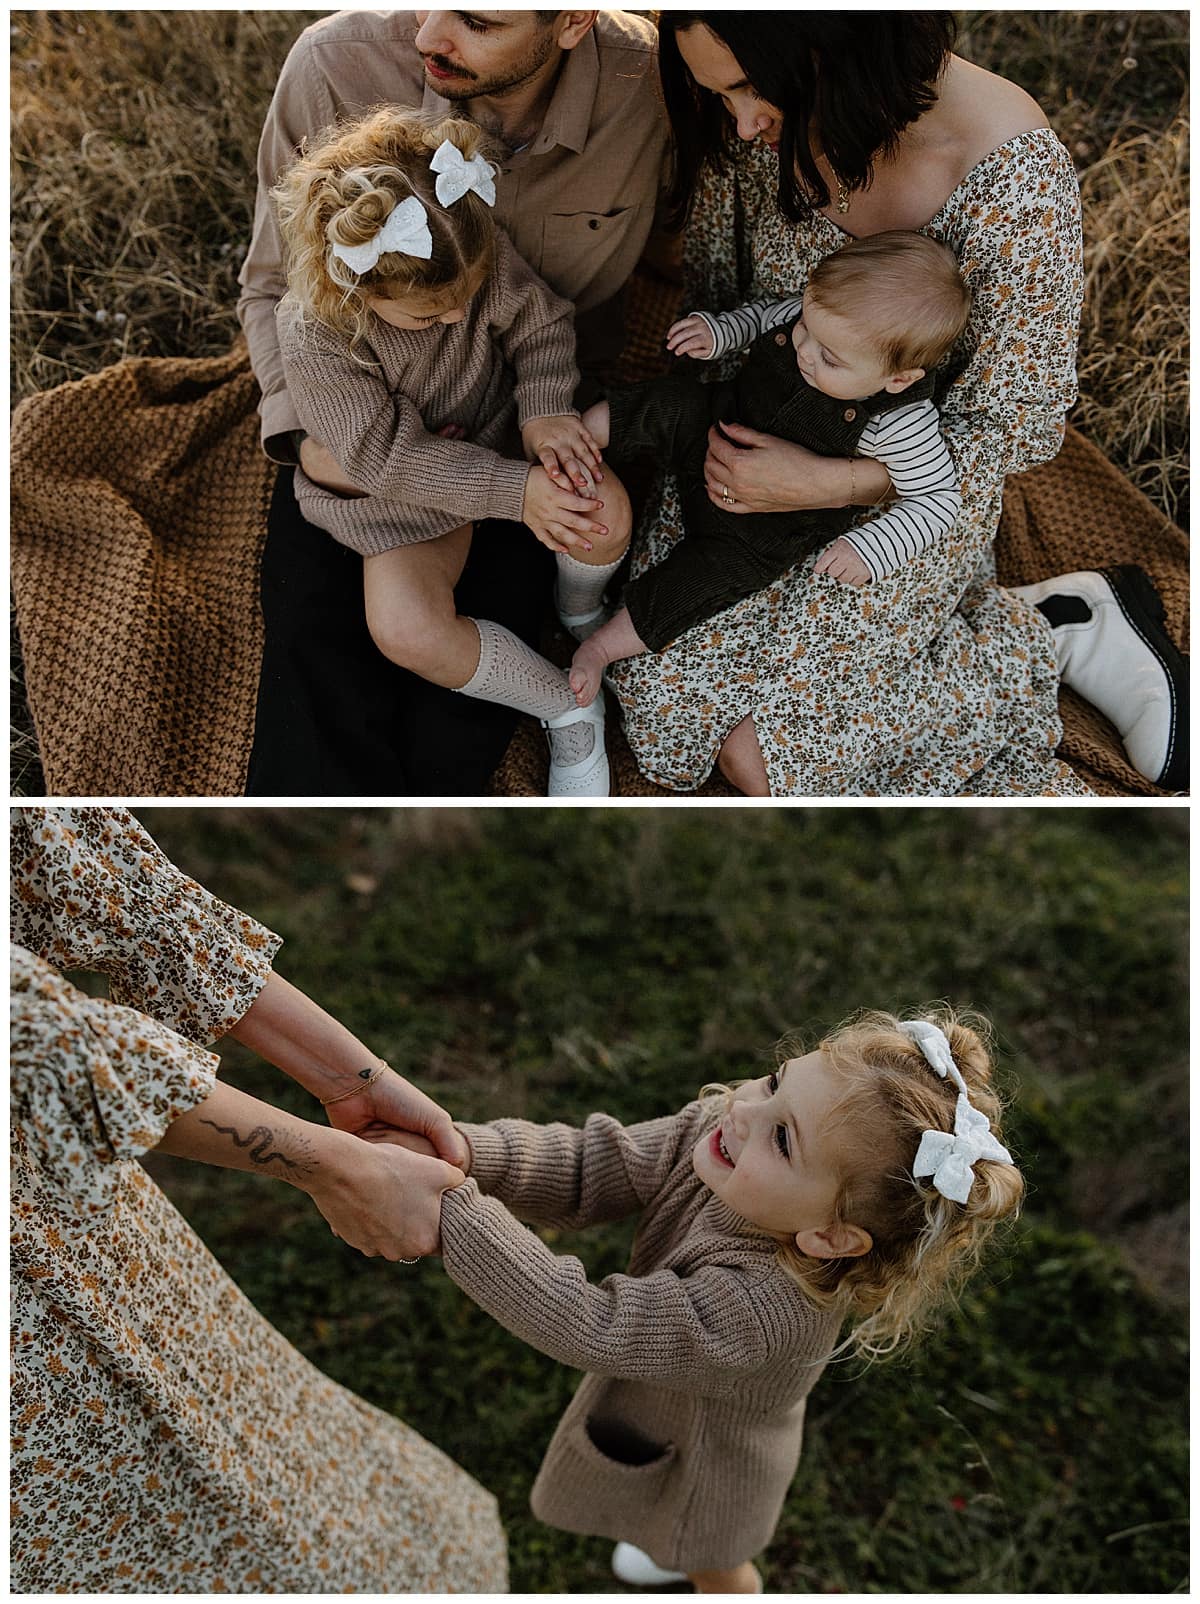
{"type": "Point", "coordinates": [590, 776]}
{"type": "Point", "coordinates": [1113, 648]}
{"type": "Point", "coordinates": [636, 1569]}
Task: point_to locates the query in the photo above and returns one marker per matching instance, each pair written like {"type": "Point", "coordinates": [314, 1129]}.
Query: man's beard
{"type": "Point", "coordinates": [471, 86]}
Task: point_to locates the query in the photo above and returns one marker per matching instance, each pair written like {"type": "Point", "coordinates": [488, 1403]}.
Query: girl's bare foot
{"type": "Point", "coordinates": [587, 666]}
{"type": "Point", "coordinates": [743, 1578]}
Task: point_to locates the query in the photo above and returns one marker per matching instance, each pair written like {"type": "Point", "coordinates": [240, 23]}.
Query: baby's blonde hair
{"type": "Point", "coordinates": [340, 191]}
{"type": "Point", "coordinates": [904, 291]}
{"type": "Point", "coordinates": [923, 1244]}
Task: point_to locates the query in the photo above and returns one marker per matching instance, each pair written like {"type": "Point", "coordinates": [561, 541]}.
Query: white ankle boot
{"type": "Point", "coordinates": [1113, 649]}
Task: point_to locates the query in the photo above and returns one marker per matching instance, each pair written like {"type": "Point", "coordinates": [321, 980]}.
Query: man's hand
{"type": "Point", "coordinates": [691, 336]}
{"type": "Point", "coordinates": [390, 1110]}
{"type": "Point", "coordinates": [842, 562]}
{"type": "Point", "coordinates": [557, 517]}
{"type": "Point", "coordinates": [322, 468]}
{"type": "Point", "coordinates": [382, 1200]}
{"type": "Point", "coordinates": [566, 450]}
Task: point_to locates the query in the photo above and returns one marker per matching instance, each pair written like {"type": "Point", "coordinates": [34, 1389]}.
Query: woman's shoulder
{"type": "Point", "coordinates": [985, 110]}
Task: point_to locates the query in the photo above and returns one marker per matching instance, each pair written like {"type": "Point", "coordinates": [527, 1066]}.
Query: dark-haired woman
{"type": "Point", "coordinates": [796, 130]}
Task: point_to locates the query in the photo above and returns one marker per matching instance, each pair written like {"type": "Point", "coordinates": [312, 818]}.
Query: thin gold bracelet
{"type": "Point", "coordinates": [368, 1079]}
{"type": "Point", "coordinates": [853, 484]}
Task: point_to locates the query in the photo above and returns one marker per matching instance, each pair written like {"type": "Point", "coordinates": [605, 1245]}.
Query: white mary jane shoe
{"type": "Point", "coordinates": [590, 776]}
{"type": "Point", "coordinates": [1113, 648]}
{"type": "Point", "coordinates": [636, 1569]}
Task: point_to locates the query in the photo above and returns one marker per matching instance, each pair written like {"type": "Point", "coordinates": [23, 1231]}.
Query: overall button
{"type": "Point", "coordinates": [850, 414]}
{"type": "Point", "coordinates": [781, 339]}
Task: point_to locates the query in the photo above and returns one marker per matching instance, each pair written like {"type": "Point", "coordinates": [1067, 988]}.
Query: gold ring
{"type": "Point", "coordinates": [725, 496]}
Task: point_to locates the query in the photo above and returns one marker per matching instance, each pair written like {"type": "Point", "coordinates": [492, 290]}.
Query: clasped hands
{"type": "Point", "coordinates": [396, 1152]}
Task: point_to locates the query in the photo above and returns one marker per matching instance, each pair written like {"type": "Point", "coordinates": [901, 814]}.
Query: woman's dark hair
{"type": "Point", "coordinates": [859, 77]}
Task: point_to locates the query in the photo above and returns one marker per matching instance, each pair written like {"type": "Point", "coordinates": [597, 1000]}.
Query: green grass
{"type": "Point", "coordinates": [548, 964]}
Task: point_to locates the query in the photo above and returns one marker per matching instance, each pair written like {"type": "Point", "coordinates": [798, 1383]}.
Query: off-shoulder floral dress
{"type": "Point", "coordinates": [933, 681]}
{"type": "Point", "coordinates": [166, 1438]}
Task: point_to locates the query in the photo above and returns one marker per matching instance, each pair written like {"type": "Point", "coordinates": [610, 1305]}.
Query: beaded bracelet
{"type": "Point", "coordinates": [368, 1079]}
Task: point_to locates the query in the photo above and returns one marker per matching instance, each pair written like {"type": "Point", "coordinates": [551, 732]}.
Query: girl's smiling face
{"type": "Point", "coordinates": [774, 1160]}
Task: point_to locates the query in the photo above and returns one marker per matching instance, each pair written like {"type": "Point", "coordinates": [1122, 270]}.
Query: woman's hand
{"type": "Point", "coordinates": [381, 1199]}
{"type": "Point", "coordinates": [392, 1110]}
{"type": "Point", "coordinates": [763, 474]}
{"type": "Point", "coordinates": [556, 516]}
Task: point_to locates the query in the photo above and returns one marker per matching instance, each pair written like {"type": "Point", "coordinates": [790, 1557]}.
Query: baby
{"type": "Point", "coordinates": [876, 319]}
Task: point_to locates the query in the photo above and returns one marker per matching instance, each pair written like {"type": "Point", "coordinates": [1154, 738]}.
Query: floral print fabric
{"type": "Point", "coordinates": [933, 681]}
{"type": "Point", "coordinates": [165, 1437]}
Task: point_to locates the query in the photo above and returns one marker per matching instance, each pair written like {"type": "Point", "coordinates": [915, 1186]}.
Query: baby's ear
{"type": "Point", "coordinates": [838, 1242]}
{"type": "Point", "coordinates": [902, 381]}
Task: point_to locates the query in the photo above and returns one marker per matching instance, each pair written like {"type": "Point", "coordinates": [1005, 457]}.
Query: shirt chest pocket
{"type": "Point", "coordinates": [582, 249]}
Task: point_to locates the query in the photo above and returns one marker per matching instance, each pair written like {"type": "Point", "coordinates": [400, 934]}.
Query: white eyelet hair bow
{"type": "Point", "coordinates": [456, 175]}
{"type": "Point", "coordinates": [405, 229]}
{"type": "Point", "coordinates": [951, 1159]}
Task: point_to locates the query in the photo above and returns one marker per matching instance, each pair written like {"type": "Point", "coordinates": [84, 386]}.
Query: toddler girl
{"type": "Point", "coordinates": [845, 371]}
{"type": "Point", "coordinates": [859, 1180]}
{"type": "Point", "coordinates": [414, 341]}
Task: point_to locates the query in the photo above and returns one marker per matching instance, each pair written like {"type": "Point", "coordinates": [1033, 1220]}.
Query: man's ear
{"type": "Point", "coordinates": [839, 1242]}
{"type": "Point", "coordinates": [573, 27]}
{"type": "Point", "coordinates": [902, 381]}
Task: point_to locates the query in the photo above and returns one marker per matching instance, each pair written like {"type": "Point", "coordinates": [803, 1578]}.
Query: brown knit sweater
{"type": "Point", "coordinates": [512, 358]}
{"type": "Point", "coordinates": [685, 1433]}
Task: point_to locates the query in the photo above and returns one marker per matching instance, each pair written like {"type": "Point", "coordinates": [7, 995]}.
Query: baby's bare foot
{"type": "Point", "coordinates": [587, 666]}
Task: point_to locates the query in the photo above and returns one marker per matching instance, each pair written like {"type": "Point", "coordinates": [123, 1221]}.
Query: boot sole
{"type": "Point", "coordinates": [1144, 611]}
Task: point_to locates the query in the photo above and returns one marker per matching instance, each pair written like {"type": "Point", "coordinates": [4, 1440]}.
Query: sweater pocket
{"type": "Point", "coordinates": [603, 1478]}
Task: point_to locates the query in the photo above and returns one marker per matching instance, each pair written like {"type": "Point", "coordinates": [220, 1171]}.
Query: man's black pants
{"type": "Point", "coordinates": [334, 716]}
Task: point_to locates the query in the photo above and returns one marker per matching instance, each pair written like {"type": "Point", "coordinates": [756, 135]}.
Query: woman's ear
{"type": "Point", "coordinates": [839, 1242]}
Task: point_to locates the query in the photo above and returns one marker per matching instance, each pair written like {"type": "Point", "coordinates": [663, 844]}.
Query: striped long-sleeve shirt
{"type": "Point", "coordinates": [907, 440]}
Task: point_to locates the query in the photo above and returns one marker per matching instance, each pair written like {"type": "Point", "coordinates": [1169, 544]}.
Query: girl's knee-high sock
{"type": "Point", "coordinates": [514, 674]}
{"type": "Point", "coordinates": [581, 585]}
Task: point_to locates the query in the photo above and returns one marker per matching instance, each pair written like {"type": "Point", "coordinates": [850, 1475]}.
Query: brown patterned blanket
{"type": "Point", "coordinates": [139, 503]}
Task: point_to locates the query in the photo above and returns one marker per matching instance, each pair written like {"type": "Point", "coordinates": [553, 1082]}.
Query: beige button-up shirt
{"type": "Point", "coordinates": [578, 202]}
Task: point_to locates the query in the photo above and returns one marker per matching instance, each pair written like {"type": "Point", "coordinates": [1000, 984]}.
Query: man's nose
{"type": "Point", "coordinates": [431, 37]}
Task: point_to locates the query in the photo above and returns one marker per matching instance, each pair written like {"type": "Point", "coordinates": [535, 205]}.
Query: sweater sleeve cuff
{"type": "Point", "coordinates": [507, 496]}
{"type": "Point", "coordinates": [488, 1153]}
{"type": "Point", "coordinates": [549, 397]}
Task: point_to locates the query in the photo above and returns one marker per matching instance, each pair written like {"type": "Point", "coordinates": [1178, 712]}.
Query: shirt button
{"type": "Point", "coordinates": [781, 339]}
{"type": "Point", "coordinates": [594, 222]}
{"type": "Point", "coordinates": [850, 414]}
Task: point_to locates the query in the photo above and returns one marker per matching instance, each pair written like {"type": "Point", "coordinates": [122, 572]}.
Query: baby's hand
{"type": "Point", "coordinates": [565, 450]}
{"type": "Point", "coordinates": [558, 518]}
{"type": "Point", "coordinates": [691, 336]}
{"type": "Point", "coordinates": [842, 561]}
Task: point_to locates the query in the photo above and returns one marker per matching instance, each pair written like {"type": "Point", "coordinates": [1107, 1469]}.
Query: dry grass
{"type": "Point", "coordinates": [133, 142]}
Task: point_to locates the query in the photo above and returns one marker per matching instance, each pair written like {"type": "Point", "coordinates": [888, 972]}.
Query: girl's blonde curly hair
{"type": "Point", "coordinates": [340, 191]}
{"type": "Point", "coordinates": [923, 1244]}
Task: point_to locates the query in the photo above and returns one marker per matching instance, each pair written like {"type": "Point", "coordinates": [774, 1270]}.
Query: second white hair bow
{"type": "Point", "coordinates": [405, 230]}
{"type": "Point", "coordinates": [951, 1159]}
{"type": "Point", "coordinates": [456, 175]}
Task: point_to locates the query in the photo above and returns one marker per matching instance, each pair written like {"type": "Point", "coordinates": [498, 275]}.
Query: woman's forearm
{"type": "Point", "coordinates": [294, 1033]}
{"type": "Point", "coordinates": [856, 482]}
{"type": "Point", "coordinates": [238, 1132]}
